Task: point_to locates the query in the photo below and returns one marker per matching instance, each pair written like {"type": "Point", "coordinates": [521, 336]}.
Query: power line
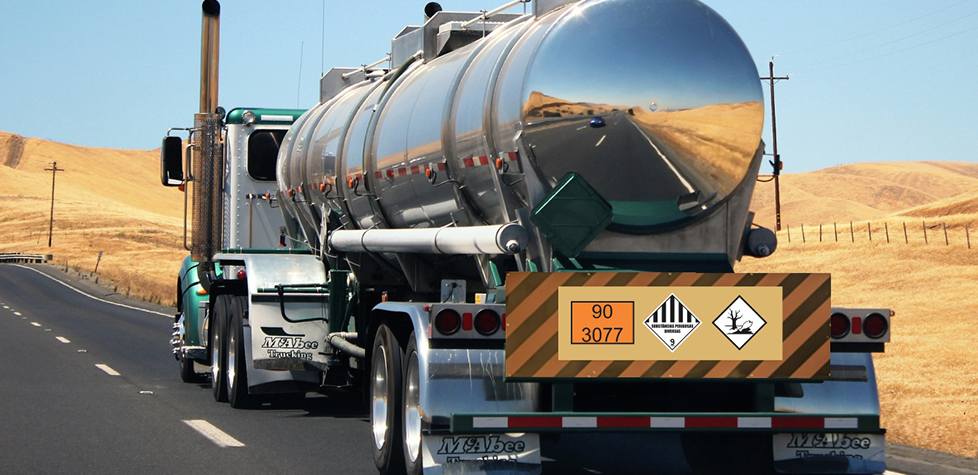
{"type": "Point", "coordinates": [895, 52]}
{"type": "Point", "coordinates": [896, 41]}
{"type": "Point", "coordinates": [879, 30]}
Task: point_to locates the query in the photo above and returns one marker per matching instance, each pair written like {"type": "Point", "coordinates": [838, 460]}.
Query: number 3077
{"type": "Point", "coordinates": [602, 322]}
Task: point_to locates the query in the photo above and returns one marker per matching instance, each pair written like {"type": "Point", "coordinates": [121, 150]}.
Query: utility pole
{"type": "Point", "coordinates": [54, 173]}
{"type": "Point", "coordinates": [777, 158]}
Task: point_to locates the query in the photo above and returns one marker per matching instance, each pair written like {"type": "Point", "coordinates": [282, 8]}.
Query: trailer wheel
{"type": "Point", "coordinates": [411, 423]}
{"type": "Point", "coordinates": [385, 392]}
{"type": "Point", "coordinates": [218, 348]}
{"type": "Point", "coordinates": [237, 375]}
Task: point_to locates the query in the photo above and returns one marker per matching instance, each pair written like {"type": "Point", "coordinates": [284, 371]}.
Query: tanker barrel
{"type": "Point", "coordinates": [502, 239]}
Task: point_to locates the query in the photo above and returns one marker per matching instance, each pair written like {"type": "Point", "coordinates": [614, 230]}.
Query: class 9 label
{"type": "Point", "coordinates": [602, 323]}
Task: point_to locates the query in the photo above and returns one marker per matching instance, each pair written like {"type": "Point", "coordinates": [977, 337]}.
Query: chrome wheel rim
{"type": "Point", "coordinates": [215, 356]}
{"type": "Point", "coordinates": [378, 397]}
{"type": "Point", "coordinates": [412, 412]}
{"type": "Point", "coordinates": [232, 356]}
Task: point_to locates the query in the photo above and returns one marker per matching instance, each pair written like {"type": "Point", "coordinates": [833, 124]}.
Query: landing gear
{"type": "Point", "coordinates": [385, 402]}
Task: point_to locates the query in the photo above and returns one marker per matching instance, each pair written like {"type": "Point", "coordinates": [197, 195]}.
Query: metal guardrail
{"type": "Point", "coordinates": [18, 258]}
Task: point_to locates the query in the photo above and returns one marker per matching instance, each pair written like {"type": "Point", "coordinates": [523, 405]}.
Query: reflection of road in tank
{"type": "Point", "coordinates": [642, 172]}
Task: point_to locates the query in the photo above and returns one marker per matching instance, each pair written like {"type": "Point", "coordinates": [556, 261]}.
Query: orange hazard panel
{"type": "Point", "coordinates": [667, 325]}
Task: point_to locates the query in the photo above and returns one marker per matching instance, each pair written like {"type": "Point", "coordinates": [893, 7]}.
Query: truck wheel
{"type": "Point", "coordinates": [237, 375]}
{"type": "Point", "coordinates": [411, 423]}
{"type": "Point", "coordinates": [187, 372]}
{"type": "Point", "coordinates": [385, 392]}
{"type": "Point", "coordinates": [218, 348]}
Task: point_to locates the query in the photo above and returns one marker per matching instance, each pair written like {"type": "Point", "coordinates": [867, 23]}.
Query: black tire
{"type": "Point", "coordinates": [385, 402]}
{"type": "Point", "coordinates": [236, 362]}
{"type": "Point", "coordinates": [218, 348]}
{"type": "Point", "coordinates": [410, 413]}
{"type": "Point", "coordinates": [187, 372]}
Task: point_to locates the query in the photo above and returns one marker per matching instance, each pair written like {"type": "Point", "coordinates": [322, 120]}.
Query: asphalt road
{"type": "Point", "coordinates": [63, 409]}
{"type": "Point", "coordinates": [88, 386]}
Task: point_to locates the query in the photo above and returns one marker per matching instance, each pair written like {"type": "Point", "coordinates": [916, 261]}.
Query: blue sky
{"type": "Point", "coordinates": [871, 80]}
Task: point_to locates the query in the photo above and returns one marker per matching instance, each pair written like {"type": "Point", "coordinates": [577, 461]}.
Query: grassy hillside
{"type": "Point", "coordinates": [105, 200]}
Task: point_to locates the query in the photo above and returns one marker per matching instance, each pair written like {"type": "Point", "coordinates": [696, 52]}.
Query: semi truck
{"type": "Point", "coordinates": [518, 231]}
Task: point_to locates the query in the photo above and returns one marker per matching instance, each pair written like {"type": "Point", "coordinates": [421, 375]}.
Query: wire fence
{"type": "Point", "coordinates": [929, 234]}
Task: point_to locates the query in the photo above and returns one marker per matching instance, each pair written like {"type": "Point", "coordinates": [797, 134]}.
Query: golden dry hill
{"type": "Point", "coordinates": [105, 200]}
{"type": "Point", "coordinates": [111, 200]}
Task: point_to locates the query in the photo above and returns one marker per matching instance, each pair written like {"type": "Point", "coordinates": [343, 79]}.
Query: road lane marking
{"type": "Point", "coordinates": [109, 371]}
{"type": "Point", "coordinates": [891, 472]}
{"type": "Point", "coordinates": [217, 436]}
{"type": "Point", "coordinates": [17, 313]}
{"type": "Point", "coordinates": [35, 324]}
{"type": "Point", "coordinates": [94, 297]}
{"type": "Point", "coordinates": [600, 140]}
{"type": "Point", "coordinates": [664, 159]}
{"type": "Point", "coordinates": [62, 339]}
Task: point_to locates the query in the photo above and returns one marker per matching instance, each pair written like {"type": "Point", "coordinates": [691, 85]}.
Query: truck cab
{"type": "Point", "coordinates": [252, 219]}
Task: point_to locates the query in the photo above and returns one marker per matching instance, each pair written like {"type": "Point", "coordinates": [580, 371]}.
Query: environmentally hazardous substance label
{"type": "Point", "coordinates": [739, 322]}
{"type": "Point", "coordinates": [672, 322]}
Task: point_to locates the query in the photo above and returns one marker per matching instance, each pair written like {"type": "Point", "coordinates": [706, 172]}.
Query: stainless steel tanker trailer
{"type": "Point", "coordinates": [521, 231]}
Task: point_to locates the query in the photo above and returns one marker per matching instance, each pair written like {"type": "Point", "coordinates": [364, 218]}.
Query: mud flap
{"type": "Point", "coordinates": [482, 454]}
{"type": "Point", "coordinates": [829, 453]}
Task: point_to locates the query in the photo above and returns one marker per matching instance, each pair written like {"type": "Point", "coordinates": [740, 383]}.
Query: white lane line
{"type": "Point", "coordinates": [217, 436]}
{"type": "Point", "coordinates": [62, 339]}
{"type": "Point", "coordinates": [664, 160]}
{"type": "Point", "coordinates": [600, 140]}
{"type": "Point", "coordinates": [5, 306]}
{"type": "Point", "coordinates": [891, 472]}
{"type": "Point", "coordinates": [17, 313]}
{"type": "Point", "coordinates": [109, 371]}
{"type": "Point", "coordinates": [94, 297]}
{"type": "Point", "coordinates": [35, 324]}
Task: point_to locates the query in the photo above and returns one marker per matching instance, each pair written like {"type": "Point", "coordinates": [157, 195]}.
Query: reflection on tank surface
{"type": "Point", "coordinates": [680, 100]}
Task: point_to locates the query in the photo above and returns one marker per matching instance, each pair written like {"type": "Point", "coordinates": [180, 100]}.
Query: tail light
{"type": "Point", "coordinates": [875, 325]}
{"type": "Point", "coordinates": [487, 322]}
{"type": "Point", "coordinates": [448, 322]}
{"type": "Point", "coordinates": [840, 325]}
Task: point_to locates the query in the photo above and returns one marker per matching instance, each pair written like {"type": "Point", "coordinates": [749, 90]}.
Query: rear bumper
{"type": "Point", "coordinates": [665, 422]}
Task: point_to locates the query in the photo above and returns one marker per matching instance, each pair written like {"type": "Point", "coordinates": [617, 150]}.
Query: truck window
{"type": "Point", "coordinates": [262, 152]}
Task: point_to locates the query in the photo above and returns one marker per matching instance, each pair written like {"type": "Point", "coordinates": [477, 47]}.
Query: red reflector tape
{"type": "Point", "coordinates": [468, 162]}
{"type": "Point", "coordinates": [378, 174]}
{"type": "Point", "coordinates": [415, 169]}
{"type": "Point", "coordinates": [402, 171]}
{"type": "Point", "coordinates": [483, 160]}
{"type": "Point", "coordinates": [857, 325]}
{"type": "Point", "coordinates": [664, 422]}
{"type": "Point", "coordinates": [441, 166]}
{"type": "Point", "coordinates": [466, 321]}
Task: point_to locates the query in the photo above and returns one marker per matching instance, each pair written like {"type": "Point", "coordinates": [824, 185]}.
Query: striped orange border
{"type": "Point", "coordinates": [531, 327]}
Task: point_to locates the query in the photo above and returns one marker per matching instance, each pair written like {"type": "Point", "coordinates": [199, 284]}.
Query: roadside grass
{"type": "Point", "coordinates": [927, 379]}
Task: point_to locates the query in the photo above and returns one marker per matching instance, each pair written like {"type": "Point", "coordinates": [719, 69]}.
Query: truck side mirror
{"type": "Point", "coordinates": [171, 161]}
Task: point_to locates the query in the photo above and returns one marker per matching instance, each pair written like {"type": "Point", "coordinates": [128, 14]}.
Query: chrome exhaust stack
{"type": "Point", "coordinates": [207, 168]}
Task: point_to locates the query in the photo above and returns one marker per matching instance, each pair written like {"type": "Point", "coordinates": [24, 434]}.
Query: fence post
{"type": "Point", "coordinates": [803, 232]}
{"type": "Point", "coordinates": [852, 234]}
{"type": "Point", "coordinates": [870, 228]}
{"type": "Point", "coordinates": [945, 234]}
{"type": "Point", "coordinates": [905, 238]}
{"type": "Point", "coordinates": [967, 235]}
{"type": "Point", "coordinates": [835, 229]}
{"type": "Point", "coordinates": [923, 224]}
{"type": "Point", "coordinates": [789, 233]}
{"type": "Point", "coordinates": [887, 229]}
{"type": "Point", "coordinates": [819, 233]}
